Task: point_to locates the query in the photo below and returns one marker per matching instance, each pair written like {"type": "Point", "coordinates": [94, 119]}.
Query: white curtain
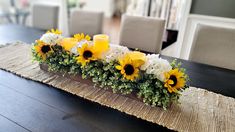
{"type": "Point", "coordinates": [138, 7]}
{"type": "Point", "coordinates": [5, 5]}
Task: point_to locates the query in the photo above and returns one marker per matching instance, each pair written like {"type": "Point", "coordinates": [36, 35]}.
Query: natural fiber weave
{"type": "Point", "coordinates": [199, 110]}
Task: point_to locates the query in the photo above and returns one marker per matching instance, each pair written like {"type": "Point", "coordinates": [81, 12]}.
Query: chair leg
{"type": "Point", "coordinates": [17, 17]}
{"type": "Point", "coordinates": [24, 19]}
{"type": "Point", "coordinates": [9, 19]}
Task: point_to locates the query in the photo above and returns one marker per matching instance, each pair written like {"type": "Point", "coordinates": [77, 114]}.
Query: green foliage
{"type": "Point", "coordinates": [105, 75]}
{"type": "Point", "coordinates": [153, 92]}
{"type": "Point", "coordinates": [61, 60]}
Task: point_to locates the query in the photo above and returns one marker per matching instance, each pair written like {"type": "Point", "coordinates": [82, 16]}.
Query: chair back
{"type": "Point", "coordinates": [214, 46]}
{"type": "Point", "coordinates": [142, 33]}
{"type": "Point", "coordinates": [45, 16]}
{"type": "Point", "coordinates": [86, 22]}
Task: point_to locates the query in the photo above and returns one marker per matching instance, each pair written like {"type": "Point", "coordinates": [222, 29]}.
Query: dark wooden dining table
{"type": "Point", "coordinates": [26, 105]}
{"type": "Point", "coordinates": [12, 32]}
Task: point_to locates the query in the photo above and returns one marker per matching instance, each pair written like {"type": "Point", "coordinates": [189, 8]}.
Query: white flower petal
{"type": "Point", "coordinates": [114, 53]}
{"type": "Point", "coordinates": [51, 38]}
{"type": "Point", "coordinates": [156, 66]}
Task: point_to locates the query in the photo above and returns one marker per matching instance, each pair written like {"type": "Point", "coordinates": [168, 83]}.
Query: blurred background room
{"type": "Point", "coordinates": [181, 42]}
{"type": "Point", "coordinates": [180, 16]}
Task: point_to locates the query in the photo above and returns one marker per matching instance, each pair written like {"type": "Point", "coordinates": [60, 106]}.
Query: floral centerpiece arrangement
{"type": "Point", "coordinates": [151, 78]}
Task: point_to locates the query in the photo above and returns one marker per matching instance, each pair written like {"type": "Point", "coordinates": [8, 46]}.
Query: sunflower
{"type": "Point", "coordinates": [55, 31]}
{"type": "Point", "coordinates": [87, 53]}
{"type": "Point", "coordinates": [175, 80]}
{"type": "Point", "coordinates": [81, 36]}
{"type": "Point", "coordinates": [129, 66]}
{"type": "Point", "coordinates": [42, 49]}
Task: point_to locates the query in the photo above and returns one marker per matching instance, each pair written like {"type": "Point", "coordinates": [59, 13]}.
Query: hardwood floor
{"type": "Point", "coordinates": [112, 28]}
{"type": "Point", "coordinates": [7, 125]}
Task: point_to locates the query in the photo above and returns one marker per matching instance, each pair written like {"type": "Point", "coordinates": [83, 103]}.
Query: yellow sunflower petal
{"type": "Point", "coordinates": [170, 82]}
{"type": "Point", "coordinates": [170, 90]}
{"type": "Point", "coordinates": [88, 38]}
{"type": "Point", "coordinates": [123, 73]}
{"type": "Point", "coordinates": [82, 35]}
{"type": "Point", "coordinates": [118, 67]}
{"type": "Point", "coordinates": [166, 85]}
{"type": "Point", "coordinates": [177, 76]}
{"type": "Point", "coordinates": [54, 31]}
{"type": "Point", "coordinates": [81, 60]}
{"type": "Point", "coordinates": [77, 36]}
{"type": "Point", "coordinates": [174, 90]}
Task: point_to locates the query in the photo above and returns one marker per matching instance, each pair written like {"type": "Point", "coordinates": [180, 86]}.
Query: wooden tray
{"type": "Point", "coordinates": [89, 82]}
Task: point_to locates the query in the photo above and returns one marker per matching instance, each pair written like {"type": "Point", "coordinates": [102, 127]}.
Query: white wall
{"type": "Point", "coordinates": [106, 6]}
{"type": "Point", "coordinates": [185, 11]}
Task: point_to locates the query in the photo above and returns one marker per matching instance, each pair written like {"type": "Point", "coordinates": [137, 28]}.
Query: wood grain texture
{"type": "Point", "coordinates": [10, 33]}
{"type": "Point", "coordinates": [87, 115]}
{"type": "Point", "coordinates": [200, 110]}
{"type": "Point", "coordinates": [8, 125]}
{"type": "Point", "coordinates": [39, 114]}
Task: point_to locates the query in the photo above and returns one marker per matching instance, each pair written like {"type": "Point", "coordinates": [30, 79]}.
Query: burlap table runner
{"type": "Point", "coordinates": [199, 110]}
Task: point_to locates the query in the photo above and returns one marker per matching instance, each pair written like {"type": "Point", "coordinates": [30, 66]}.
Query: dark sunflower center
{"type": "Point", "coordinates": [129, 69]}
{"type": "Point", "coordinates": [174, 79]}
{"type": "Point", "coordinates": [45, 48]}
{"type": "Point", "coordinates": [87, 54]}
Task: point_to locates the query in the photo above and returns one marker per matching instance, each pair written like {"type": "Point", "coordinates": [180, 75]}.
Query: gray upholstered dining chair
{"type": "Point", "coordinates": [142, 33]}
{"type": "Point", "coordinates": [45, 16]}
{"type": "Point", "coordinates": [86, 22]}
{"type": "Point", "coordinates": [214, 46]}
